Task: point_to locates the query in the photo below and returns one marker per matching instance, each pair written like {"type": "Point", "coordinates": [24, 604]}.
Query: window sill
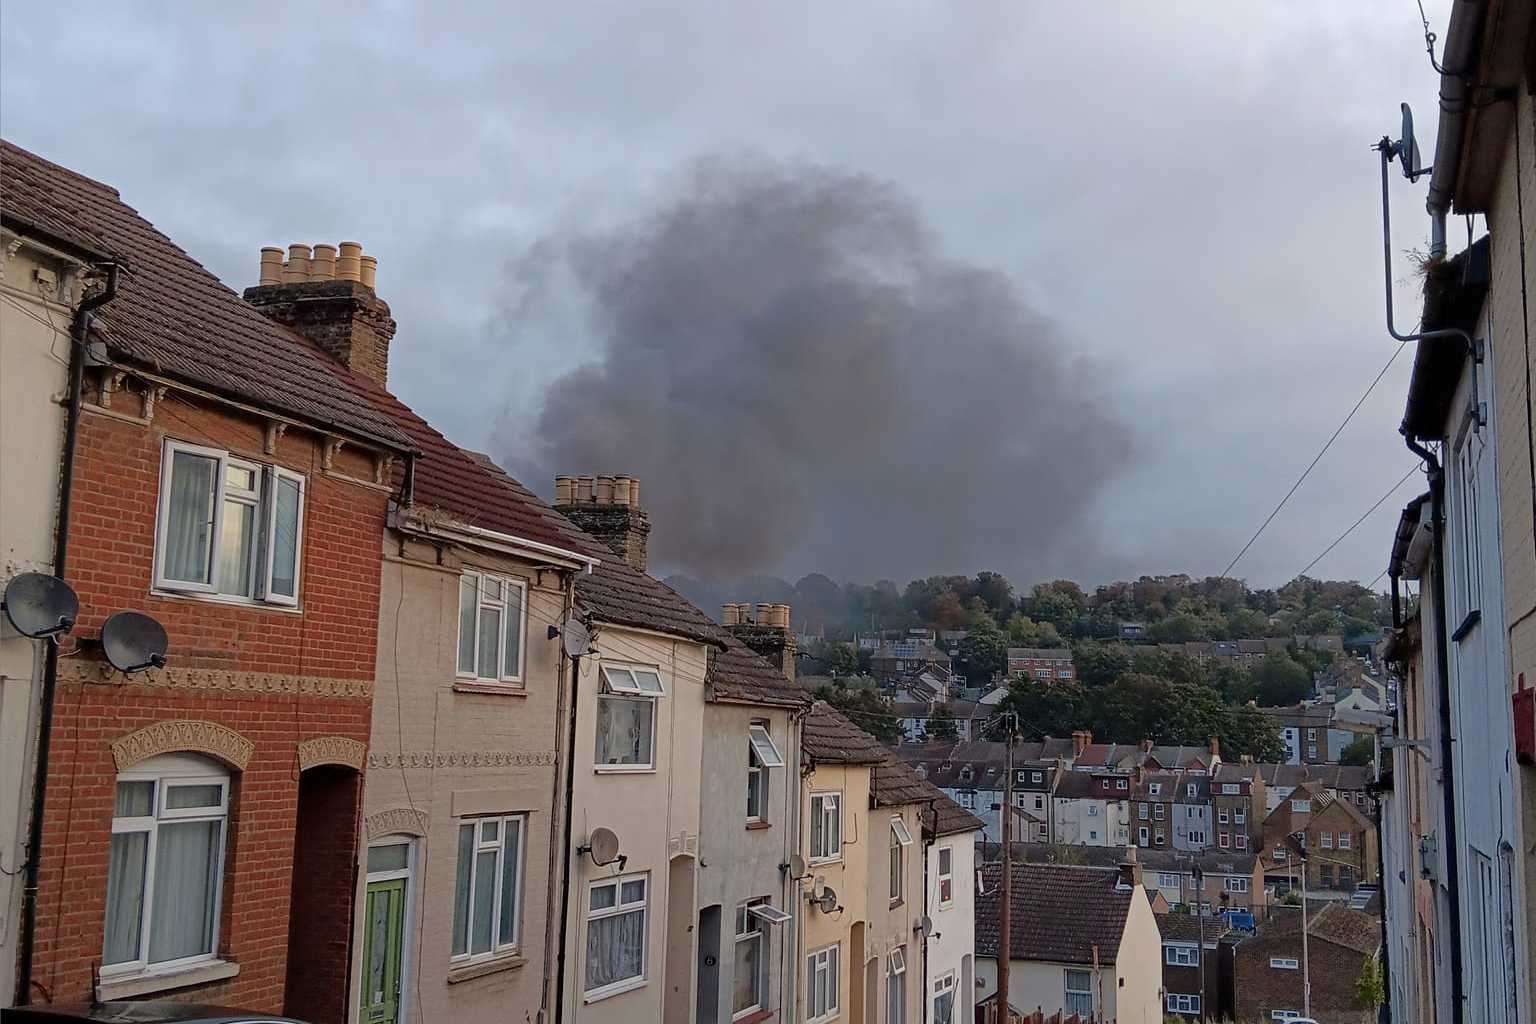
{"type": "Point", "coordinates": [144, 983]}
{"type": "Point", "coordinates": [624, 769]}
{"type": "Point", "coordinates": [232, 602]}
{"type": "Point", "coordinates": [758, 826]}
{"type": "Point", "coordinates": [817, 862]}
{"type": "Point", "coordinates": [753, 1017]}
{"type": "Point", "coordinates": [618, 989]}
{"type": "Point", "coordinates": [895, 903]}
{"type": "Point", "coordinates": [479, 969]}
{"type": "Point", "coordinates": [499, 689]}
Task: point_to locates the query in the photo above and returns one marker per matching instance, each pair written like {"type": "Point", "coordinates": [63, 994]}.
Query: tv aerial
{"type": "Point", "coordinates": [39, 605]}
{"type": "Point", "coordinates": [132, 642]}
{"type": "Point", "coordinates": [603, 847]}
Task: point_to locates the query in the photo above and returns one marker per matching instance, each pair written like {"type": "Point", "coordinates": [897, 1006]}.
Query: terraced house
{"type": "Point", "coordinates": [232, 481]}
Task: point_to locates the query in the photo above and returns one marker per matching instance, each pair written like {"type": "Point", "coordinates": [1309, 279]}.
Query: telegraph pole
{"type": "Point", "coordinates": [1199, 878]}
{"type": "Point", "coordinates": [1306, 967]}
{"type": "Point", "coordinates": [1005, 899]}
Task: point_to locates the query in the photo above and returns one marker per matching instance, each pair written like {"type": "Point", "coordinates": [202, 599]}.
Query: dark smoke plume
{"type": "Point", "coordinates": [802, 381]}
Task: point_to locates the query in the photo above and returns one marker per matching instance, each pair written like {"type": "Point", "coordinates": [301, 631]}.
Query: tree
{"type": "Point", "coordinates": [1055, 709]}
{"type": "Point", "coordinates": [842, 659]}
{"type": "Point", "coordinates": [1247, 730]}
{"type": "Point", "coordinates": [1179, 629]}
{"type": "Point", "coordinates": [1100, 664]}
{"type": "Point", "coordinates": [1281, 681]}
{"type": "Point", "coordinates": [985, 653]}
{"type": "Point", "coordinates": [1370, 989]}
{"type": "Point", "coordinates": [866, 708]}
{"type": "Point", "coordinates": [1024, 631]}
{"type": "Point", "coordinates": [1057, 603]}
{"type": "Point", "coordinates": [1360, 751]}
{"type": "Point", "coordinates": [995, 592]}
{"type": "Point", "coordinates": [941, 724]}
{"type": "Point", "coordinates": [866, 661]}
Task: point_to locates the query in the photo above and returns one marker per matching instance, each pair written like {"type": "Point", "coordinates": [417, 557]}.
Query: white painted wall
{"type": "Point", "coordinates": [954, 926]}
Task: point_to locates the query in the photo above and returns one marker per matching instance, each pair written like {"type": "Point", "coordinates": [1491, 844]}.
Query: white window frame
{"type": "Point", "coordinates": [943, 986]}
{"type": "Point", "coordinates": [901, 838]}
{"type": "Point", "coordinates": [1222, 816]}
{"type": "Point", "coordinates": [750, 928]}
{"type": "Point", "coordinates": [1231, 788]}
{"type": "Point", "coordinates": [262, 499]}
{"type": "Point", "coordinates": [1301, 806]}
{"type": "Point", "coordinates": [826, 961]}
{"type": "Point", "coordinates": [1181, 956]}
{"type": "Point", "coordinates": [173, 771]}
{"type": "Point", "coordinates": [1325, 841]}
{"type": "Point", "coordinates": [945, 876]}
{"type": "Point", "coordinates": [1154, 788]}
{"type": "Point", "coordinates": [482, 602]}
{"type": "Point", "coordinates": [1236, 884]}
{"type": "Point", "coordinates": [1143, 835]}
{"type": "Point", "coordinates": [1222, 840]}
{"type": "Point", "coordinates": [1346, 841]}
{"type": "Point", "coordinates": [895, 987]}
{"type": "Point", "coordinates": [1068, 992]}
{"type": "Point", "coordinates": [1158, 813]}
{"type": "Point", "coordinates": [1284, 963]}
{"type": "Point", "coordinates": [762, 754]}
{"type": "Point", "coordinates": [830, 814]}
{"type": "Point", "coordinates": [615, 687]}
{"type": "Point", "coordinates": [1239, 816]}
{"type": "Point", "coordinates": [1284, 1015]}
{"type": "Point", "coordinates": [641, 906]}
{"type": "Point", "coordinates": [483, 845]}
{"type": "Point", "coordinates": [966, 799]}
{"type": "Point", "coordinates": [1241, 840]}
{"type": "Point", "coordinates": [1178, 1002]}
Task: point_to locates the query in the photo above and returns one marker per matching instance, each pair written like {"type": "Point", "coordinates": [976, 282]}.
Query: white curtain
{"type": "Point", "coordinates": [614, 946]}
{"type": "Point", "coordinates": [285, 538]}
{"type": "Point", "coordinates": [461, 889]}
{"type": "Point", "coordinates": [186, 872]}
{"type": "Point", "coordinates": [125, 897]}
{"type": "Point", "coordinates": [507, 929]}
{"type": "Point", "coordinates": [748, 968]}
{"type": "Point", "coordinates": [624, 730]}
{"type": "Point", "coordinates": [469, 600]}
{"type": "Point", "coordinates": [485, 897]}
{"type": "Point", "coordinates": [189, 526]}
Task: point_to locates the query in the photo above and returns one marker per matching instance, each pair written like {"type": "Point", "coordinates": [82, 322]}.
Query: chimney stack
{"type": "Point", "coordinates": [326, 294]}
{"type": "Point", "coordinates": [769, 634]}
{"type": "Point", "coordinates": [1130, 869]}
{"type": "Point", "coordinates": [607, 507]}
{"type": "Point", "coordinates": [1081, 741]}
{"type": "Point", "coordinates": [1215, 747]}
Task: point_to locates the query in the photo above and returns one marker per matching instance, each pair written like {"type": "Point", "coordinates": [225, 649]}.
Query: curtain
{"type": "Point", "coordinates": [614, 948]}
{"type": "Point", "coordinates": [186, 873]}
{"type": "Point", "coordinates": [510, 841]}
{"type": "Point", "coordinates": [285, 538]}
{"type": "Point", "coordinates": [511, 652]}
{"type": "Point", "coordinates": [461, 890]}
{"type": "Point", "coordinates": [189, 523]}
{"type": "Point", "coordinates": [469, 600]}
{"type": "Point", "coordinates": [749, 953]}
{"type": "Point", "coordinates": [944, 1008]}
{"type": "Point", "coordinates": [624, 730]}
{"type": "Point", "coordinates": [484, 902]}
{"type": "Point", "coordinates": [236, 548]}
{"type": "Point", "coordinates": [125, 897]}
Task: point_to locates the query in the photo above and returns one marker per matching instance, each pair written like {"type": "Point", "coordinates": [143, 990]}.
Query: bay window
{"type": "Point", "coordinates": [626, 717]}
{"type": "Point", "coordinates": [616, 925]}
{"type": "Point", "coordinates": [493, 625]}
{"type": "Point", "coordinates": [488, 891]}
{"type": "Point", "coordinates": [165, 865]}
{"type": "Point", "coordinates": [227, 526]}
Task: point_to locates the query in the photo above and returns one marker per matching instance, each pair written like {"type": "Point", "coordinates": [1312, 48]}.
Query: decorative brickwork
{"type": "Point", "coordinates": [460, 759]}
{"type": "Point", "coordinates": [338, 750]}
{"type": "Point", "coordinates": [166, 737]}
{"type": "Point", "coordinates": [396, 821]}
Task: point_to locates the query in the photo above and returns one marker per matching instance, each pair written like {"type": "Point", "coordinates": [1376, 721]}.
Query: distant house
{"type": "Point", "coordinates": [1042, 664]}
{"type": "Point", "coordinates": [1173, 810]}
{"type": "Point", "coordinates": [1267, 966]}
{"type": "Point", "coordinates": [1340, 842]}
{"type": "Point", "coordinates": [893, 660]}
{"type": "Point", "coordinates": [1082, 940]}
{"type": "Point", "coordinates": [1309, 733]}
{"type": "Point", "coordinates": [1132, 630]}
{"type": "Point", "coordinates": [1091, 809]}
{"type": "Point", "coordinates": [1193, 946]}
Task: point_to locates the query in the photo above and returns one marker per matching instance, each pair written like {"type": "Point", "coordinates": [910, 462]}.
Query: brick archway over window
{"type": "Point", "coordinates": [178, 735]}
{"type": "Point", "coordinates": [332, 750]}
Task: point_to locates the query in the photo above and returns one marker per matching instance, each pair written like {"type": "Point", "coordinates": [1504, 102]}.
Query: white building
{"type": "Point", "coordinates": [951, 834]}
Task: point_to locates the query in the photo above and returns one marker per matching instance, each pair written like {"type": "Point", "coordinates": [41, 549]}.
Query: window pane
{"type": "Point", "coordinates": [394, 857]}
{"type": "Point", "coordinates": [485, 896]}
{"type": "Point", "coordinates": [490, 630]}
{"type": "Point", "coordinates": [134, 800]}
{"type": "Point", "coordinates": [748, 970]}
{"type": "Point", "coordinates": [604, 896]}
{"type": "Point", "coordinates": [189, 519]}
{"type": "Point", "coordinates": [511, 842]}
{"type": "Point", "coordinates": [236, 551]}
{"type": "Point", "coordinates": [490, 831]}
{"type": "Point", "coordinates": [194, 796]}
{"type": "Point", "coordinates": [816, 840]}
{"type": "Point", "coordinates": [285, 538]}
{"type": "Point", "coordinates": [468, 591]}
{"type": "Point", "coordinates": [239, 478]}
{"type": "Point", "coordinates": [614, 948]}
{"type": "Point", "coordinates": [125, 895]}
{"type": "Point", "coordinates": [181, 922]}
{"type": "Point", "coordinates": [633, 892]}
{"type": "Point", "coordinates": [512, 650]}
{"type": "Point", "coordinates": [754, 793]}
{"type": "Point", "coordinates": [831, 980]}
{"type": "Point", "coordinates": [647, 680]}
{"type": "Point", "coordinates": [461, 889]}
{"type": "Point", "coordinates": [624, 731]}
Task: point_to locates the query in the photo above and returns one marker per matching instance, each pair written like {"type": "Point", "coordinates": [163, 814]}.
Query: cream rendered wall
{"type": "Point", "coordinates": [1139, 966]}
{"type": "Point", "coordinates": [891, 922]}
{"type": "Point", "coordinates": [439, 753]}
{"type": "Point", "coordinates": [954, 925]}
{"type": "Point", "coordinates": [654, 812]}
{"type": "Point", "coordinates": [34, 353]}
{"type": "Point", "coordinates": [1511, 221]}
{"type": "Point", "coordinates": [1043, 984]}
{"type": "Point", "coordinates": [847, 875]}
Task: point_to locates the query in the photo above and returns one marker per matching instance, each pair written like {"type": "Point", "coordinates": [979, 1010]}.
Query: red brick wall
{"type": "Point", "coordinates": [110, 567]}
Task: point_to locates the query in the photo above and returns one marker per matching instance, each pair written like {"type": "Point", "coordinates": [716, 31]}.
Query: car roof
{"type": "Point", "coordinates": [141, 1012]}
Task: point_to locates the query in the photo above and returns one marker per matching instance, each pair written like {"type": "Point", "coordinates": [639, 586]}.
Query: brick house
{"type": "Point", "coordinates": [230, 482]}
{"type": "Point", "coordinates": [1042, 664]}
{"type": "Point", "coordinates": [1193, 946]}
{"type": "Point", "coordinates": [1268, 973]}
{"type": "Point", "coordinates": [1340, 843]}
{"type": "Point", "coordinates": [1237, 798]}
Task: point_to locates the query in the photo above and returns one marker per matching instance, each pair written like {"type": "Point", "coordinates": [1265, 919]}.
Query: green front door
{"type": "Point", "coordinates": [384, 934]}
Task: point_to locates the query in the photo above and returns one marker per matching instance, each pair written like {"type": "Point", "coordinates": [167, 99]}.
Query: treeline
{"type": "Point", "coordinates": [1173, 609]}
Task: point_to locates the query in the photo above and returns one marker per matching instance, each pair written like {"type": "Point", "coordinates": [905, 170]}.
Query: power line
{"type": "Point", "coordinates": [1311, 465]}
{"type": "Point", "coordinates": [1379, 501]}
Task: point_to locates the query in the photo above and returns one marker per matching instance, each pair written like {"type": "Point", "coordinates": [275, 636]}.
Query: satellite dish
{"type": "Point", "coordinates": [1408, 147]}
{"type": "Point", "coordinates": [576, 638]}
{"type": "Point", "coordinates": [797, 867]}
{"type": "Point", "coordinates": [132, 642]}
{"type": "Point", "coordinates": [827, 901]}
{"type": "Point", "coordinates": [38, 605]}
{"type": "Point", "coordinates": [818, 886]}
{"type": "Point", "coordinates": [602, 846]}
{"type": "Point", "coordinates": [924, 926]}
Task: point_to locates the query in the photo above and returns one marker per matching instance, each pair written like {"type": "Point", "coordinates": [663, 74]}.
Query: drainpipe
{"type": "Point", "coordinates": [1461, 39]}
{"type": "Point", "coordinates": [1442, 667]}
{"type": "Point", "coordinates": [81, 335]}
{"type": "Point", "coordinates": [565, 845]}
{"type": "Point", "coordinates": [556, 846]}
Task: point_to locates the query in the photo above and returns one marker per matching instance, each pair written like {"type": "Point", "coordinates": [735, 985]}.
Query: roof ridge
{"type": "Point", "coordinates": [7, 144]}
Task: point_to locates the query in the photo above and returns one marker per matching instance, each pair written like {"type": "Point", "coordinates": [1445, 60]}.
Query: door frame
{"type": "Point", "coordinates": [407, 916]}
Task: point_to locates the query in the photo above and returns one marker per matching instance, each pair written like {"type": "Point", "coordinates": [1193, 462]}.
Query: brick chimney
{"type": "Point", "coordinates": [1081, 741]}
{"type": "Point", "coordinates": [1215, 747]}
{"type": "Point", "coordinates": [607, 507]}
{"type": "Point", "coordinates": [1130, 869]}
{"type": "Point", "coordinates": [769, 634]}
{"type": "Point", "coordinates": [327, 295]}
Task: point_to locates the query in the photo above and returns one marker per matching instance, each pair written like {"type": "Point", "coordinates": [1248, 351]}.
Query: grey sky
{"type": "Point", "coordinates": [1184, 189]}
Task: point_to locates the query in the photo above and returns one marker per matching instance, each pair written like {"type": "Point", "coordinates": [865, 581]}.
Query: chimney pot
{"type": "Point", "coordinates": [563, 490]}
{"type": "Point", "coordinates": [730, 614]}
{"type": "Point", "coordinates": [781, 616]}
{"type": "Point", "coordinates": [621, 490]}
{"type": "Point", "coordinates": [297, 269]}
{"type": "Point", "coordinates": [604, 495]}
{"type": "Point", "coordinates": [764, 615]}
{"type": "Point", "coordinates": [369, 267]}
{"type": "Point", "coordinates": [349, 263]}
{"type": "Point", "coordinates": [323, 266]}
{"type": "Point", "coordinates": [590, 503]}
{"type": "Point", "coordinates": [271, 265]}
{"type": "Point", "coordinates": [586, 486]}
{"type": "Point", "coordinates": [634, 491]}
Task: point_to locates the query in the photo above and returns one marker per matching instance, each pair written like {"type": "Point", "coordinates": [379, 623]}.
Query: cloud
{"type": "Point", "coordinates": [802, 379]}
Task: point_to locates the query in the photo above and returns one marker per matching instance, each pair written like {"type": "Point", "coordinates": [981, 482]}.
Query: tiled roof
{"type": "Point", "coordinates": [948, 817]}
{"type": "Point", "coordinates": [1352, 929]}
{"type": "Point", "coordinates": [174, 318]}
{"type": "Point", "coordinates": [893, 783]}
{"type": "Point", "coordinates": [1040, 653]}
{"type": "Point", "coordinates": [828, 737]}
{"type": "Point", "coordinates": [738, 673]}
{"type": "Point", "coordinates": [1188, 927]}
{"type": "Point", "coordinates": [1058, 913]}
